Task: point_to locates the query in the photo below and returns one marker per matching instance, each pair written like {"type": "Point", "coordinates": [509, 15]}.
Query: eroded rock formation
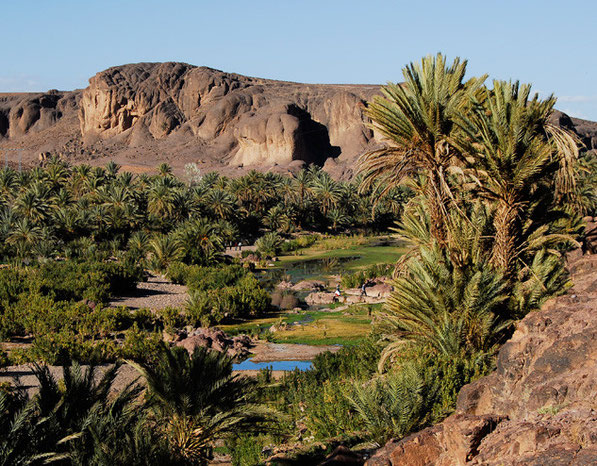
{"type": "Point", "coordinates": [538, 408]}
{"type": "Point", "coordinates": [143, 114]}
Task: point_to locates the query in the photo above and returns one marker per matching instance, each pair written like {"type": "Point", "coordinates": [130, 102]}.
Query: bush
{"type": "Point", "coordinates": [246, 451]}
{"type": "Point", "coordinates": [244, 299]}
{"type": "Point", "coordinates": [356, 279]}
{"type": "Point", "coordinates": [269, 244]}
{"type": "Point", "coordinates": [298, 243]}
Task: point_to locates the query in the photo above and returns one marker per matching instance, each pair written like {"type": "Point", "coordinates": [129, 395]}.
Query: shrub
{"type": "Point", "coordinates": [269, 244]}
{"type": "Point", "coordinates": [298, 243]}
{"type": "Point", "coordinates": [246, 298]}
{"type": "Point", "coordinates": [177, 273]}
{"type": "Point", "coordinates": [139, 345]}
{"type": "Point", "coordinates": [356, 279]}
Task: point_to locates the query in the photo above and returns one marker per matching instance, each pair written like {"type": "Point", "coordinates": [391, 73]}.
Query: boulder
{"type": "Point", "coordinates": [320, 297]}
{"type": "Point", "coordinates": [217, 340]}
{"type": "Point", "coordinates": [309, 285]}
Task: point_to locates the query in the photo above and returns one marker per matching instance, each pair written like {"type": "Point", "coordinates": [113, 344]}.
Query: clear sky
{"type": "Point", "coordinates": [550, 43]}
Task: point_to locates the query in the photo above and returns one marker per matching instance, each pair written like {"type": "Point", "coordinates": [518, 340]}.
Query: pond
{"type": "Point", "coordinates": [311, 269]}
{"type": "Point", "coordinates": [249, 365]}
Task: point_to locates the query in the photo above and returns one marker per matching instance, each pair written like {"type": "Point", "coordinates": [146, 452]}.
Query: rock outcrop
{"type": "Point", "coordinates": [538, 407]}
{"type": "Point", "coordinates": [146, 113]}
{"type": "Point", "coordinates": [235, 347]}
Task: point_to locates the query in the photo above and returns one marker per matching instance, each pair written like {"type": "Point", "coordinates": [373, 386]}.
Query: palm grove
{"type": "Point", "coordinates": [489, 199]}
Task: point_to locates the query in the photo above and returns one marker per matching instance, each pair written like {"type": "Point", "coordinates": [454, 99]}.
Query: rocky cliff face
{"type": "Point", "coordinates": [143, 114]}
{"type": "Point", "coordinates": [540, 405]}
{"type": "Point", "coordinates": [189, 113]}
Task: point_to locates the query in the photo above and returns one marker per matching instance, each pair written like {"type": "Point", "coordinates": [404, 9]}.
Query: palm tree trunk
{"type": "Point", "coordinates": [504, 244]}
{"type": "Point", "coordinates": [436, 205]}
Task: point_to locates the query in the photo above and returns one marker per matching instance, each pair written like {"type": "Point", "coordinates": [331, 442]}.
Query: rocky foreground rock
{"type": "Point", "coordinates": [146, 113]}
{"type": "Point", "coordinates": [539, 407]}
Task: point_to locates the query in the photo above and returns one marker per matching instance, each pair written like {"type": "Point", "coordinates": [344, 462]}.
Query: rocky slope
{"type": "Point", "coordinates": [143, 114]}
{"type": "Point", "coordinates": [540, 405]}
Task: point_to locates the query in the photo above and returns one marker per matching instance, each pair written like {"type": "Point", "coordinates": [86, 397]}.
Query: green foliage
{"type": "Point", "coordinates": [246, 298]}
{"type": "Point", "coordinates": [197, 400]}
{"type": "Point", "coordinates": [299, 243]}
{"type": "Point", "coordinates": [246, 451]}
{"type": "Point", "coordinates": [78, 422]}
{"type": "Point", "coordinates": [317, 398]}
{"type": "Point", "coordinates": [269, 244]}
{"type": "Point", "coordinates": [356, 279]}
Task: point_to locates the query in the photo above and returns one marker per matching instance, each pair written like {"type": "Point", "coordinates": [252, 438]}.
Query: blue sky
{"type": "Point", "coordinates": [61, 43]}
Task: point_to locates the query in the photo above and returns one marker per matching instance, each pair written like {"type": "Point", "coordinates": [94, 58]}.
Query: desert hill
{"type": "Point", "coordinates": [143, 114]}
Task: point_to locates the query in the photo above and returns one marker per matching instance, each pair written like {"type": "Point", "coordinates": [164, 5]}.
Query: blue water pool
{"type": "Point", "coordinates": [249, 365]}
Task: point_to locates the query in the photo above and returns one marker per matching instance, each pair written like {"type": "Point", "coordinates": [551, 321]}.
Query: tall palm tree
{"type": "Point", "coordinates": [327, 192]}
{"type": "Point", "coordinates": [416, 119]}
{"type": "Point", "coordinates": [512, 150]}
{"type": "Point", "coordinates": [198, 400]}
{"type": "Point", "coordinates": [452, 310]}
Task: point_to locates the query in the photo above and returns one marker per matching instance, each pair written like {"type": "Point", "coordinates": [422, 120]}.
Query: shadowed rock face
{"type": "Point", "coordinates": [146, 113]}
{"type": "Point", "coordinates": [538, 407]}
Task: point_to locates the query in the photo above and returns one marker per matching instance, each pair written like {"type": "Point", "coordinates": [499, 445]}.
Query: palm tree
{"type": "Point", "coordinates": [164, 250]}
{"type": "Point", "coordinates": [199, 241]}
{"type": "Point", "coordinates": [8, 183]}
{"type": "Point", "coordinates": [35, 203]}
{"type": "Point", "coordinates": [164, 169]}
{"type": "Point", "coordinates": [452, 310]}
{"type": "Point", "coordinates": [24, 234]}
{"type": "Point", "coordinates": [416, 119]}
{"type": "Point", "coordinates": [513, 151]}
{"type": "Point", "coordinates": [198, 400]}
{"type": "Point", "coordinates": [78, 422]}
{"type": "Point", "coordinates": [327, 192]}
{"type": "Point", "coordinates": [112, 169]}
{"type": "Point", "coordinates": [338, 218]}
{"type": "Point", "coordinates": [302, 183]}
{"type": "Point", "coordinates": [160, 200]}
{"type": "Point", "coordinates": [221, 203]}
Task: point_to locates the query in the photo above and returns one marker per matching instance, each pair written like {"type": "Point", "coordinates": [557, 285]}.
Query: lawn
{"type": "Point", "coordinates": [346, 326]}
{"type": "Point", "coordinates": [364, 252]}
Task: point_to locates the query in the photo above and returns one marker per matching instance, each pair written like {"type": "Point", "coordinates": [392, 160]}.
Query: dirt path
{"type": "Point", "coordinates": [156, 293]}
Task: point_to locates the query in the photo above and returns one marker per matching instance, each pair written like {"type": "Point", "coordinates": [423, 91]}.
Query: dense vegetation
{"type": "Point", "coordinates": [190, 400]}
{"type": "Point", "coordinates": [72, 237]}
{"type": "Point", "coordinates": [489, 195]}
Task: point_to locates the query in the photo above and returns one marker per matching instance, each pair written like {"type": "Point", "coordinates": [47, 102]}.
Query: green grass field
{"type": "Point", "coordinates": [343, 327]}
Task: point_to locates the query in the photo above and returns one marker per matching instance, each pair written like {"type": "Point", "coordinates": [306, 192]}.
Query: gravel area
{"type": "Point", "coordinates": [156, 293]}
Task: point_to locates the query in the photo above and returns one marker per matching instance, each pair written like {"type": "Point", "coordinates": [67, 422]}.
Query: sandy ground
{"type": "Point", "coordinates": [267, 352]}
{"type": "Point", "coordinates": [156, 293]}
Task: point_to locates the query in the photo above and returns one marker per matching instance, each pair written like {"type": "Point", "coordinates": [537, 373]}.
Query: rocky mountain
{"type": "Point", "coordinates": [539, 407]}
{"type": "Point", "coordinates": [146, 113]}
{"type": "Point", "coordinates": [143, 114]}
